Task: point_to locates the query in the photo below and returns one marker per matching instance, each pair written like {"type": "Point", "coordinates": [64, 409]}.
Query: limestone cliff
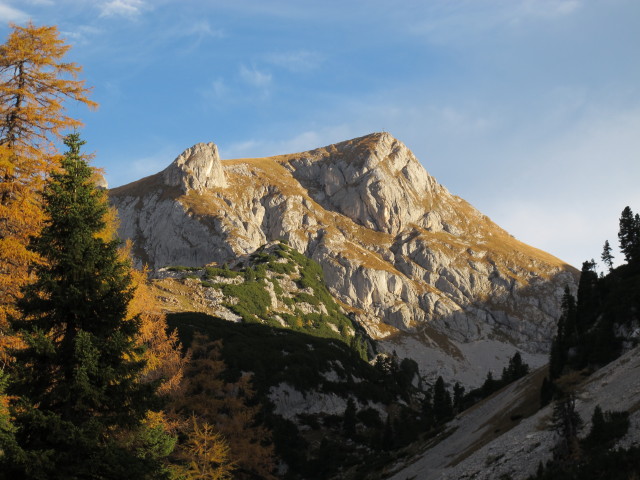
{"type": "Point", "coordinates": [422, 270]}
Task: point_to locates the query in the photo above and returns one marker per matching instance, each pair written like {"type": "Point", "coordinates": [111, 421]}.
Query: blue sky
{"type": "Point", "coordinates": [528, 109]}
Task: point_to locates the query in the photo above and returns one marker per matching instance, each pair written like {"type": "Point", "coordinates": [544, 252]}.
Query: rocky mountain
{"type": "Point", "coordinates": [422, 271]}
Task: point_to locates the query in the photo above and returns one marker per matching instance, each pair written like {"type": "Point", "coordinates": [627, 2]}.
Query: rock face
{"type": "Point", "coordinates": [198, 168]}
{"type": "Point", "coordinates": [422, 270]}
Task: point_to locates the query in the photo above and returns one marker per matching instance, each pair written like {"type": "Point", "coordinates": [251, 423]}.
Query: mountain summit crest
{"type": "Point", "coordinates": [197, 168]}
{"type": "Point", "coordinates": [375, 180]}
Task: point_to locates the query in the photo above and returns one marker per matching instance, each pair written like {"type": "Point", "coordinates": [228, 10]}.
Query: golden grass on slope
{"type": "Point", "coordinates": [179, 296]}
{"type": "Point", "coordinates": [139, 187]}
{"type": "Point", "coordinates": [502, 242]}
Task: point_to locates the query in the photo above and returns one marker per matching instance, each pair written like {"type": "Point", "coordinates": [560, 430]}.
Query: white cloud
{"type": "Point", "coordinates": [255, 77]}
{"type": "Point", "coordinates": [82, 34]}
{"type": "Point", "coordinates": [298, 61]}
{"type": "Point", "coordinates": [124, 8]}
{"type": "Point", "coordinates": [11, 14]}
{"type": "Point", "coordinates": [216, 90]}
{"type": "Point", "coordinates": [203, 28]}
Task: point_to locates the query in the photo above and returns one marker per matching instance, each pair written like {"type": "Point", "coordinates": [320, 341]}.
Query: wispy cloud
{"type": "Point", "coordinates": [299, 142]}
{"type": "Point", "coordinates": [216, 90]}
{"type": "Point", "coordinates": [11, 14]}
{"type": "Point", "coordinates": [296, 61]}
{"type": "Point", "coordinates": [455, 22]}
{"type": "Point", "coordinates": [255, 77]}
{"type": "Point", "coordinates": [202, 28]}
{"type": "Point", "coordinates": [39, 2]}
{"type": "Point", "coordinates": [122, 8]}
{"type": "Point", "coordinates": [545, 8]}
{"type": "Point", "coordinates": [82, 34]}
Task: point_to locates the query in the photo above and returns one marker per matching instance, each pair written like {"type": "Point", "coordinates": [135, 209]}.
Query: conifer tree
{"type": "Point", "coordinates": [546, 392]}
{"type": "Point", "coordinates": [458, 398]}
{"type": "Point", "coordinates": [515, 370]}
{"type": "Point", "coordinates": [567, 423]}
{"type": "Point", "coordinates": [349, 419]}
{"type": "Point", "coordinates": [35, 83]}
{"type": "Point", "coordinates": [629, 235]}
{"type": "Point", "coordinates": [227, 407]}
{"type": "Point", "coordinates": [442, 405]}
{"type": "Point", "coordinates": [607, 257]}
{"type": "Point", "coordinates": [565, 336]}
{"type": "Point", "coordinates": [81, 410]}
{"type": "Point", "coordinates": [205, 454]}
{"type": "Point", "coordinates": [490, 385]}
{"type": "Point", "coordinates": [588, 298]}
{"type": "Point", "coordinates": [7, 430]}
{"type": "Point", "coordinates": [568, 306]}
{"type": "Point", "coordinates": [557, 355]}
{"type": "Point", "coordinates": [387, 442]}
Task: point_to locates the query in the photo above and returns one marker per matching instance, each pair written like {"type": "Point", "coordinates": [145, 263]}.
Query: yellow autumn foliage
{"type": "Point", "coordinates": [205, 455]}
{"type": "Point", "coordinates": [227, 406]}
{"type": "Point", "coordinates": [35, 82]}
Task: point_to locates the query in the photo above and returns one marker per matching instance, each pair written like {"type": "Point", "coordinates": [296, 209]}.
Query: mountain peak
{"type": "Point", "coordinates": [375, 180]}
{"type": "Point", "coordinates": [415, 264]}
{"type": "Point", "coordinates": [197, 168]}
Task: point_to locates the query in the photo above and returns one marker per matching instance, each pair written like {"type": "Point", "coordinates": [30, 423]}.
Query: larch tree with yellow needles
{"type": "Point", "coordinates": [35, 83]}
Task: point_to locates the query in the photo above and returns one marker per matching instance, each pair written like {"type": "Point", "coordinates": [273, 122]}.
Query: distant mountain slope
{"type": "Point", "coordinates": [491, 440]}
{"type": "Point", "coordinates": [422, 270]}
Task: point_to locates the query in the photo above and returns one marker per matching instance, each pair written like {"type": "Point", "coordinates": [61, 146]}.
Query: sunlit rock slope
{"type": "Point", "coordinates": [423, 271]}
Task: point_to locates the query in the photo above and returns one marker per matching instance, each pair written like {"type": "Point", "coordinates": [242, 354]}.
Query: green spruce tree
{"type": "Point", "coordinates": [81, 409]}
{"type": "Point", "coordinates": [607, 256]}
{"type": "Point", "coordinates": [458, 398]}
{"type": "Point", "coordinates": [515, 370]}
{"type": "Point", "coordinates": [565, 337]}
{"type": "Point", "coordinates": [629, 235]}
{"type": "Point", "coordinates": [442, 405]}
{"type": "Point", "coordinates": [570, 333]}
{"type": "Point", "coordinates": [588, 302]}
{"type": "Point", "coordinates": [567, 423]}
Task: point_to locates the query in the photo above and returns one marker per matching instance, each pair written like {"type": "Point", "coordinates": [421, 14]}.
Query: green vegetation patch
{"type": "Point", "coordinates": [182, 268]}
{"type": "Point", "coordinates": [253, 301]}
{"type": "Point", "coordinates": [225, 272]}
